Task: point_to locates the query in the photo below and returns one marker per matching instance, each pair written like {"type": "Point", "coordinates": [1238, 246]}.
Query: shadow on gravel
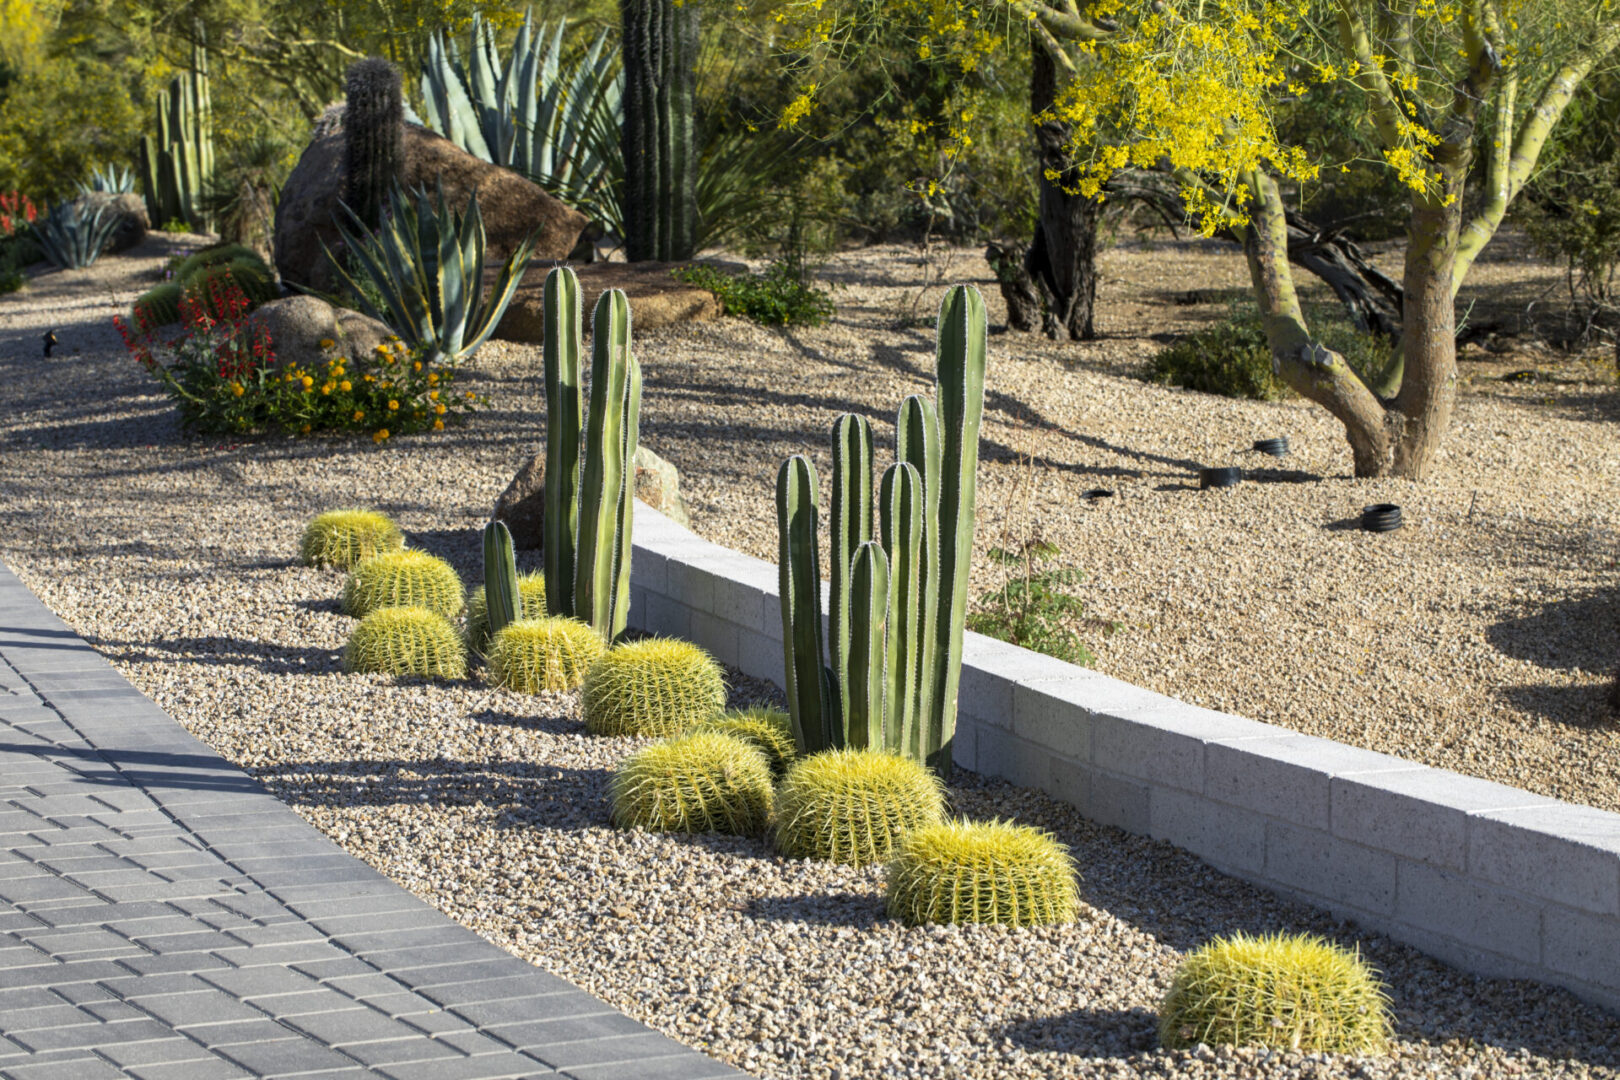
{"type": "Point", "coordinates": [516, 794]}
{"type": "Point", "coordinates": [859, 911]}
{"type": "Point", "coordinates": [1577, 706]}
{"type": "Point", "coordinates": [546, 724]}
{"type": "Point", "coordinates": [222, 652]}
{"type": "Point", "coordinates": [1579, 632]}
{"type": "Point", "coordinates": [1105, 1032]}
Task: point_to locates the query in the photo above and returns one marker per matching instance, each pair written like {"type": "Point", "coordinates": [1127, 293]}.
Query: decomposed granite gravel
{"type": "Point", "coordinates": [174, 557]}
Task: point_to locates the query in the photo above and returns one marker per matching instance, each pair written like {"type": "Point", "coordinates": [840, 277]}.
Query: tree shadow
{"type": "Point", "coordinates": [545, 723]}
{"type": "Point", "coordinates": [1575, 632]}
{"type": "Point", "coordinates": [217, 651]}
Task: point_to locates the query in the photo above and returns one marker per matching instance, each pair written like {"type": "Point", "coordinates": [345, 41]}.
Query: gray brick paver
{"type": "Point", "coordinates": [163, 917]}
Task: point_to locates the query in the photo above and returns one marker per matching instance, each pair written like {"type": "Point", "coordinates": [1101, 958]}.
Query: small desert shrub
{"type": "Point", "coordinates": [769, 730]}
{"type": "Point", "coordinates": [780, 296]}
{"type": "Point", "coordinates": [981, 872]}
{"type": "Point", "coordinates": [531, 597]}
{"type": "Point", "coordinates": [1289, 991]}
{"type": "Point", "coordinates": [406, 641]}
{"type": "Point", "coordinates": [1034, 608]}
{"type": "Point", "coordinates": [1231, 357]}
{"type": "Point", "coordinates": [702, 782]}
{"type": "Point", "coordinates": [554, 654]}
{"type": "Point", "coordinates": [403, 579]}
{"type": "Point", "coordinates": [223, 374]}
{"type": "Point", "coordinates": [344, 538]}
{"type": "Point", "coordinates": [658, 687]}
{"type": "Point", "coordinates": [853, 806]}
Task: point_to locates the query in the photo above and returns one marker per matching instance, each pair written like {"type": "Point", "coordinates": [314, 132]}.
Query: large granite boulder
{"type": "Point", "coordinates": [511, 206]}
{"type": "Point", "coordinates": [128, 208]}
{"type": "Point", "coordinates": [657, 298]}
{"type": "Point", "coordinates": [298, 325]}
{"type": "Point", "coordinates": [523, 504]}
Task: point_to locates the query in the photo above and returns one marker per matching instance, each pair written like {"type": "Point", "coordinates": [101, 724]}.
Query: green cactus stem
{"type": "Point", "coordinates": [607, 482]}
{"type": "Point", "coordinates": [809, 689]}
{"type": "Point", "coordinates": [502, 600]}
{"type": "Point", "coordinates": [565, 407]}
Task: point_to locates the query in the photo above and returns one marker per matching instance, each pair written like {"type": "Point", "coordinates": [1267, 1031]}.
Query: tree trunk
{"type": "Point", "coordinates": [1422, 410]}
{"type": "Point", "coordinates": [660, 42]}
{"type": "Point", "coordinates": [1054, 280]}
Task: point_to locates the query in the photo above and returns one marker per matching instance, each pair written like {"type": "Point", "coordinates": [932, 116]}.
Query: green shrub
{"type": "Point", "coordinates": [212, 255]}
{"type": "Point", "coordinates": [531, 597]}
{"type": "Point", "coordinates": [157, 306]}
{"type": "Point", "coordinates": [1289, 991]}
{"type": "Point", "coordinates": [343, 538]}
{"type": "Point", "coordinates": [769, 730]}
{"type": "Point", "coordinates": [403, 579]}
{"type": "Point", "coordinates": [252, 275]}
{"type": "Point", "coordinates": [981, 872]}
{"type": "Point", "coordinates": [1231, 357]}
{"type": "Point", "coordinates": [406, 641]}
{"type": "Point", "coordinates": [853, 806]}
{"type": "Point", "coordinates": [531, 655]}
{"type": "Point", "coordinates": [702, 782]}
{"type": "Point", "coordinates": [780, 296]}
{"type": "Point", "coordinates": [1034, 609]}
{"type": "Point", "coordinates": [658, 687]}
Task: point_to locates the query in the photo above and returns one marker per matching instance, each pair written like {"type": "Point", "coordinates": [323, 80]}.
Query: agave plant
{"type": "Point", "coordinates": [111, 179]}
{"type": "Point", "coordinates": [71, 239]}
{"type": "Point", "coordinates": [422, 273]}
{"type": "Point", "coordinates": [531, 114]}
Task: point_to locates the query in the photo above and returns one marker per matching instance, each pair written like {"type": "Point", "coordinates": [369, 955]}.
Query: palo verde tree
{"type": "Point", "coordinates": [1455, 90]}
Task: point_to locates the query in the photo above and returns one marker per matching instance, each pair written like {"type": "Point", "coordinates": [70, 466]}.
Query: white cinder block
{"type": "Point", "coordinates": [760, 656]}
{"type": "Point", "coordinates": [1230, 838]}
{"type": "Point", "coordinates": [647, 568]}
{"type": "Point", "coordinates": [667, 617]}
{"type": "Point", "coordinates": [1118, 801]}
{"type": "Point", "coordinates": [716, 635]}
{"type": "Point", "coordinates": [965, 744]}
{"type": "Point", "coordinates": [1420, 813]}
{"type": "Point", "coordinates": [1330, 869]}
{"type": "Point", "coordinates": [1584, 946]}
{"type": "Point", "coordinates": [1011, 758]}
{"type": "Point", "coordinates": [1162, 744]}
{"type": "Point", "coordinates": [1061, 726]}
{"type": "Point", "coordinates": [1286, 777]}
{"type": "Point", "coordinates": [747, 595]}
{"type": "Point", "coordinates": [1569, 854]}
{"type": "Point", "coordinates": [1475, 913]}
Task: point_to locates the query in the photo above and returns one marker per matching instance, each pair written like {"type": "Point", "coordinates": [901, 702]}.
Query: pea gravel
{"type": "Point", "coordinates": [177, 558]}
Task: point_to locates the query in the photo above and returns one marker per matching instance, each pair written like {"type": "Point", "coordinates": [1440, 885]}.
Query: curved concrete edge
{"type": "Point", "coordinates": [1486, 877]}
{"type": "Point", "coordinates": [201, 889]}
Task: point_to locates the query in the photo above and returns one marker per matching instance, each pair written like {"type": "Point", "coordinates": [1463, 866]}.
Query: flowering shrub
{"type": "Point", "coordinates": [16, 211]}
{"type": "Point", "coordinates": [223, 374]}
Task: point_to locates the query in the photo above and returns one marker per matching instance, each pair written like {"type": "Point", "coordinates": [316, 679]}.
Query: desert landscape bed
{"type": "Point", "coordinates": [1478, 638]}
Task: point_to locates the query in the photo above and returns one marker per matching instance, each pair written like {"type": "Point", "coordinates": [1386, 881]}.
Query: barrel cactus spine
{"type": "Point", "coordinates": [373, 137]}
{"type": "Point", "coordinates": [896, 650]}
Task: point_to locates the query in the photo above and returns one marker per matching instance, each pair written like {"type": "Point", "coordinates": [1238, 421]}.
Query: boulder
{"type": "Point", "coordinates": [298, 325]}
{"type": "Point", "coordinates": [511, 206]}
{"type": "Point", "coordinates": [657, 297]}
{"type": "Point", "coordinates": [127, 207]}
{"type": "Point", "coordinates": [523, 504]}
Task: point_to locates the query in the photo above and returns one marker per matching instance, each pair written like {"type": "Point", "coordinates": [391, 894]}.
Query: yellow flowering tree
{"type": "Point", "coordinates": [1454, 89]}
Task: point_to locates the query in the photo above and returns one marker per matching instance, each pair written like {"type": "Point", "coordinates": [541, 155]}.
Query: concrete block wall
{"type": "Point", "coordinates": [1484, 876]}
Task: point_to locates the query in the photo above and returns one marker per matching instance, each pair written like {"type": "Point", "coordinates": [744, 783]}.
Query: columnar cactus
{"type": "Point", "coordinates": [176, 164]}
{"type": "Point", "coordinates": [503, 602]}
{"type": "Point", "coordinates": [589, 506]}
{"type": "Point", "coordinates": [660, 45]}
{"type": "Point", "coordinates": [373, 137]}
{"type": "Point", "coordinates": [899, 602]}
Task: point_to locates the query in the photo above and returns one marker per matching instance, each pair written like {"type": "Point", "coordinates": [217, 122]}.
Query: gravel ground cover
{"type": "Point", "coordinates": [175, 558]}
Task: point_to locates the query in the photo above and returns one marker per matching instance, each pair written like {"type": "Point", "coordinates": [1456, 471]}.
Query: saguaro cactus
{"type": "Point", "coordinates": [589, 508]}
{"type": "Point", "coordinates": [660, 42]}
{"type": "Point", "coordinates": [178, 162]}
{"type": "Point", "coordinates": [373, 137]}
{"type": "Point", "coordinates": [899, 603]}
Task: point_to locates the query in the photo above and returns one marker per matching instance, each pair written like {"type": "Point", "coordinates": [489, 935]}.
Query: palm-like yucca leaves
{"type": "Point", "coordinates": [426, 262]}
{"type": "Point", "coordinates": [533, 113]}
{"type": "Point", "coordinates": [72, 240]}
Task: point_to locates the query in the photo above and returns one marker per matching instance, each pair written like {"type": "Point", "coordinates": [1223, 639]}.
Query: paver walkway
{"type": "Point", "coordinates": [164, 917]}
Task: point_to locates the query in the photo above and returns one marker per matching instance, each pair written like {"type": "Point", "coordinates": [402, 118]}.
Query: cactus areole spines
{"type": "Point", "coordinates": [660, 48]}
{"type": "Point", "coordinates": [563, 347]}
{"type": "Point", "coordinates": [799, 583]}
{"type": "Point", "coordinates": [610, 446]}
{"type": "Point", "coordinates": [899, 605]}
{"type": "Point", "coordinates": [373, 137]}
{"type": "Point", "coordinates": [502, 604]}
